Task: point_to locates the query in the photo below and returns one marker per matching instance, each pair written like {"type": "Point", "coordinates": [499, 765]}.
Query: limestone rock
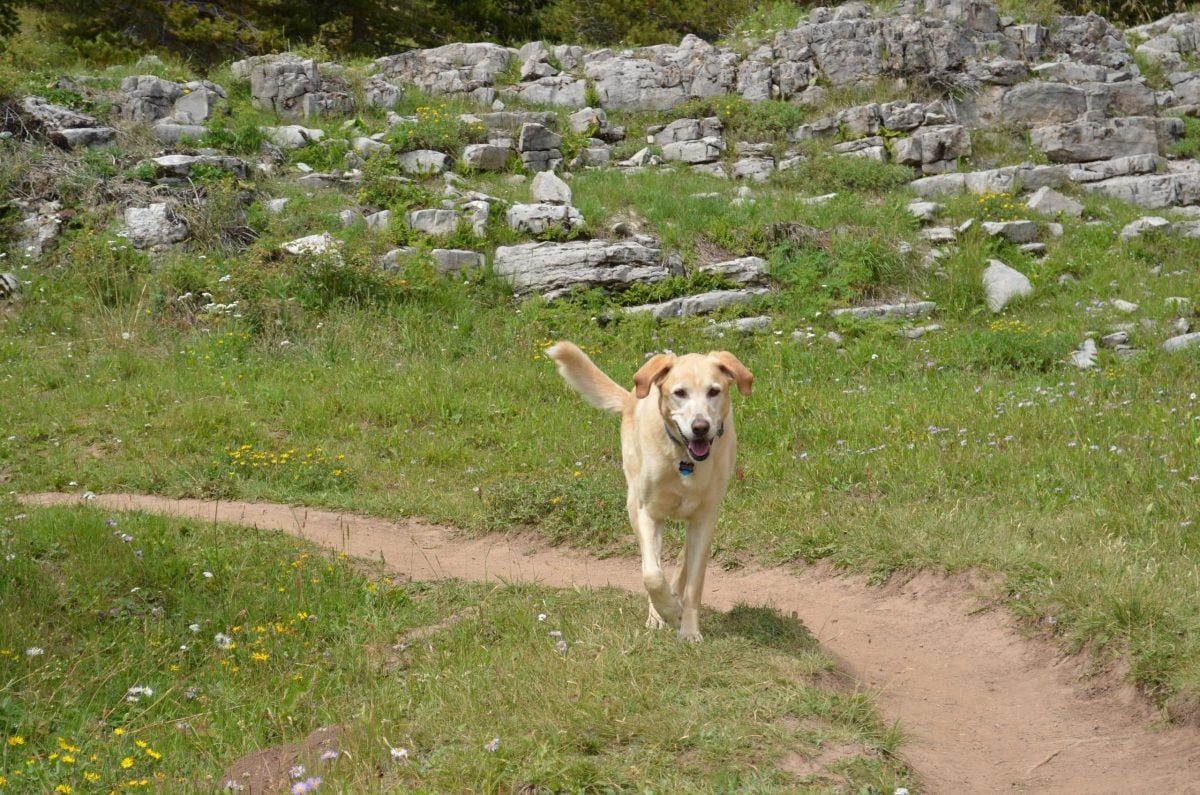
{"type": "Point", "coordinates": [1002, 284]}
{"type": "Point", "coordinates": [156, 225]}
{"type": "Point", "coordinates": [554, 269]}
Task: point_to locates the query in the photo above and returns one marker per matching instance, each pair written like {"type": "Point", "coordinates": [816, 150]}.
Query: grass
{"type": "Point", "coordinates": [146, 652]}
{"type": "Point", "coordinates": [976, 448]}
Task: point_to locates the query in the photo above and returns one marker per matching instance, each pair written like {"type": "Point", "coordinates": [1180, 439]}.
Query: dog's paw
{"type": "Point", "coordinates": [692, 636]}
{"type": "Point", "coordinates": [655, 622]}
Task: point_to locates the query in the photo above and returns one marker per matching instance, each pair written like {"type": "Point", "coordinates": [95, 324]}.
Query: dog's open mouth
{"type": "Point", "coordinates": [699, 449]}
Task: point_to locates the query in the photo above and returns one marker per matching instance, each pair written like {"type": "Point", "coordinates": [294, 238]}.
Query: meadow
{"type": "Point", "coordinates": [221, 369]}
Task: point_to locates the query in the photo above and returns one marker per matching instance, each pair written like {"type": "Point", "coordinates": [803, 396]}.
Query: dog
{"type": "Point", "coordinates": [678, 445]}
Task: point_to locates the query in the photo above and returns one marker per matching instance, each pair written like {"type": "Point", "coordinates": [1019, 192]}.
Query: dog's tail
{"type": "Point", "coordinates": [589, 380]}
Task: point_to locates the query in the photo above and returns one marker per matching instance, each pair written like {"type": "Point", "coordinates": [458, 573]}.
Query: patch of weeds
{"type": "Point", "coordinates": [239, 136]}
{"type": "Point", "coordinates": [322, 155]}
{"type": "Point", "coordinates": [384, 186]}
{"type": "Point", "coordinates": [108, 268]}
{"type": "Point", "coordinates": [768, 120]}
{"type": "Point", "coordinates": [1152, 72]}
{"type": "Point", "coordinates": [436, 127]}
{"type": "Point", "coordinates": [1009, 344]}
{"type": "Point", "coordinates": [587, 509]}
{"type": "Point", "coordinates": [1189, 144]}
{"type": "Point", "coordinates": [314, 468]}
{"type": "Point", "coordinates": [824, 173]}
{"type": "Point", "coordinates": [998, 206]}
{"type": "Point", "coordinates": [642, 293]}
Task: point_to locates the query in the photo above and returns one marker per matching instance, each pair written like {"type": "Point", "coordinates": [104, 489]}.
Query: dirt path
{"type": "Point", "coordinates": [983, 709]}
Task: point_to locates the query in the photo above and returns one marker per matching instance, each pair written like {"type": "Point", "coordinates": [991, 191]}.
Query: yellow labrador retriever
{"type": "Point", "coordinates": [678, 446]}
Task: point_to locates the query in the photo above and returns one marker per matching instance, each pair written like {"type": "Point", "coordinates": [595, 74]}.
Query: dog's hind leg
{"type": "Point", "coordinates": [689, 583]}
{"type": "Point", "coordinates": [664, 605]}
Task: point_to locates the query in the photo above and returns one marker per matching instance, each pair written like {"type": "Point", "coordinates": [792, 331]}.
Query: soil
{"type": "Point", "coordinates": [983, 708]}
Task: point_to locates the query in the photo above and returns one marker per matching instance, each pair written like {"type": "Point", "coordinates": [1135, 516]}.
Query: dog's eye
{"type": "Point", "coordinates": [680, 392]}
{"type": "Point", "coordinates": [713, 391]}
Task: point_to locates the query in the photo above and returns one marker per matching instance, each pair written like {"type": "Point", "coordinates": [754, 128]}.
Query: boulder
{"type": "Point", "coordinates": [554, 269]}
{"type": "Point", "coordinates": [1085, 140]}
{"type": "Point", "coordinates": [1049, 202]}
{"type": "Point", "coordinates": [486, 157]}
{"type": "Point", "coordinates": [548, 188]}
{"type": "Point", "coordinates": [423, 161]}
{"type": "Point", "coordinates": [453, 260]}
{"type": "Point", "coordinates": [536, 219]}
{"type": "Point", "coordinates": [744, 270]}
{"type": "Point", "coordinates": [701, 304]}
{"type": "Point", "coordinates": [280, 84]}
{"type": "Point", "coordinates": [437, 222]}
{"type": "Point", "coordinates": [156, 225]}
{"type": "Point", "coordinates": [1002, 284]}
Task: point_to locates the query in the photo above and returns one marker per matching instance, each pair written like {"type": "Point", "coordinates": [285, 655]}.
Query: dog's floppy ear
{"type": "Point", "coordinates": [652, 372]}
{"type": "Point", "coordinates": [735, 370]}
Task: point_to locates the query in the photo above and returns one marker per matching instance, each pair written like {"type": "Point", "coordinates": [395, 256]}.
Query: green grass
{"type": "Point", "coordinates": [140, 651]}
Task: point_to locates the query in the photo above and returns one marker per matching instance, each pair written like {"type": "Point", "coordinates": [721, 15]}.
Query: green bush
{"type": "Point", "coordinates": [639, 23]}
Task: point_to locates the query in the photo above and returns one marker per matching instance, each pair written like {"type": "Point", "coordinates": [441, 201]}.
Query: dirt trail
{"type": "Point", "coordinates": [984, 710]}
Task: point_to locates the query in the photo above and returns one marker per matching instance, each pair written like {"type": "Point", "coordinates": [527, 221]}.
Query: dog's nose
{"type": "Point", "coordinates": [700, 428]}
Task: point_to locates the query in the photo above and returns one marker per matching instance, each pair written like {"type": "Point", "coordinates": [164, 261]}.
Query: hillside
{"type": "Point", "coordinates": [958, 250]}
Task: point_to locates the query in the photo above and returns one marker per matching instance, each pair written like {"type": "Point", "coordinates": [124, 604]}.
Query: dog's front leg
{"type": "Point", "coordinates": [664, 605]}
{"type": "Point", "coordinates": [697, 547]}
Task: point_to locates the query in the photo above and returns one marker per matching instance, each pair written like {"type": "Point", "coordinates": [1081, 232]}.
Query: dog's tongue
{"type": "Point", "coordinates": [699, 447]}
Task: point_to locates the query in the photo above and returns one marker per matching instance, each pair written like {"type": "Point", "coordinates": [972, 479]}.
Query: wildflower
{"type": "Point", "coordinates": [400, 754]}
{"type": "Point", "coordinates": [34, 651]}
{"type": "Point", "coordinates": [91, 776]}
{"type": "Point", "coordinates": [140, 743]}
{"type": "Point", "coordinates": [64, 788]}
{"type": "Point", "coordinates": [127, 762]}
{"type": "Point", "coordinates": [541, 616]}
{"type": "Point", "coordinates": [259, 656]}
{"type": "Point", "coordinates": [329, 756]}
{"type": "Point", "coordinates": [233, 786]}
{"type": "Point", "coordinates": [208, 575]}
{"type": "Point", "coordinates": [561, 647]}
{"type": "Point", "coordinates": [16, 739]}
{"type": "Point", "coordinates": [306, 786]}
{"type": "Point", "coordinates": [223, 640]}
{"type": "Point", "coordinates": [493, 745]}
{"type": "Point", "coordinates": [155, 755]}
{"type": "Point", "coordinates": [296, 771]}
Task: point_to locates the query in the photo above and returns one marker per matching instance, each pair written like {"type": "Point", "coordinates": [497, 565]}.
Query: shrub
{"type": "Point", "coordinates": [638, 23]}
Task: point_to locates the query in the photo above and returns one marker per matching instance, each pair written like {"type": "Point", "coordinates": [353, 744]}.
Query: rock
{"type": "Point", "coordinates": [1084, 140]}
{"type": "Point", "coordinates": [701, 304]}
{"type": "Point", "coordinates": [705, 150]}
{"type": "Point", "coordinates": [379, 222]}
{"type": "Point", "coordinates": [434, 221]}
{"type": "Point", "coordinates": [913, 309]}
{"type": "Point", "coordinates": [537, 138]}
{"type": "Point", "coordinates": [196, 106]}
{"type": "Point", "coordinates": [423, 161]}
{"type": "Point", "coordinates": [349, 218]}
{"type": "Point", "coordinates": [469, 69]}
{"type": "Point", "coordinates": [594, 157]}
{"type": "Point", "coordinates": [1012, 231]}
{"type": "Point", "coordinates": [380, 93]}
{"type": "Point", "coordinates": [824, 198]}
{"type": "Point", "coordinates": [1115, 339]}
{"type": "Point", "coordinates": [1182, 342]}
{"type": "Point", "coordinates": [452, 260]}
{"type": "Point", "coordinates": [929, 146]}
{"type": "Point", "coordinates": [744, 270]}
{"type": "Point", "coordinates": [536, 219]}
{"type": "Point", "coordinates": [275, 206]}
{"type": "Point", "coordinates": [554, 269]}
{"type": "Point", "coordinates": [1002, 284]}
{"type": "Point", "coordinates": [169, 133]}
{"type": "Point", "coordinates": [1123, 306]}
{"type": "Point", "coordinates": [1049, 202]}
{"type": "Point", "coordinates": [742, 325]}
{"type": "Point", "coordinates": [486, 157]}
{"type": "Point", "coordinates": [1085, 356]}
{"type": "Point", "coordinates": [147, 98]}
{"type": "Point", "coordinates": [156, 225]}
{"type": "Point", "coordinates": [917, 332]}
{"type": "Point", "coordinates": [548, 188]}
{"type": "Point", "coordinates": [390, 262]}
{"type": "Point", "coordinates": [682, 130]}
{"type": "Point", "coordinates": [312, 244]}
{"type": "Point", "coordinates": [180, 166]}
{"type": "Point", "coordinates": [925, 211]}
{"type": "Point", "coordinates": [366, 147]}
{"type": "Point", "coordinates": [1038, 102]}
{"type": "Point", "coordinates": [89, 137]}
{"type": "Point", "coordinates": [755, 169]}
{"type": "Point", "coordinates": [871, 148]}
{"type": "Point", "coordinates": [939, 235]}
{"type": "Point", "coordinates": [279, 85]}
{"type": "Point", "coordinates": [292, 136]}
{"type": "Point", "coordinates": [1033, 249]}
{"type": "Point", "coordinates": [541, 160]}
{"type": "Point", "coordinates": [1147, 223]}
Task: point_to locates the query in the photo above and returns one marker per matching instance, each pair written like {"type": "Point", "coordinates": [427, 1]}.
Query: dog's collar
{"type": "Point", "coordinates": [687, 466]}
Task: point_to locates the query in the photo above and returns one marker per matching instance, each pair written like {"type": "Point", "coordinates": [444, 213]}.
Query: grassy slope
{"type": "Point", "coordinates": [117, 601]}
{"type": "Point", "coordinates": [974, 447]}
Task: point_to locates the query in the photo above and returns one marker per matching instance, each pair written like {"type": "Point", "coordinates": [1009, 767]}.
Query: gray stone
{"type": "Point", "coordinates": [156, 225]}
{"type": "Point", "coordinates": [743, 325]}
{"type": "Point", "coordinates": [541, 160]}
{"type": "Point", "coordinates": [147, 98]}
{"type": "Point", "coordinates": [423, 161]}
{"type": "Point", "coordinates": [917, 332]}
{"type": "Point", "coordinates": [437, 222]}
{"type": "Point", "coordinates": [169, 133]}
{"type": "Point", "coordinates": [1038, 102]}
{"type": "Point", "coordinates": [453, 260]}
{"type": "Point", "coordinates": [554, 269]}
{"type": "Point", "coordinates": [1115, 339]}
{"type": "Point", "coordinates": [180, 166]}
{"type": "Point", "coordinates": [902, 116]}
{"type": "Point", "coordinates": [536, 219]}
{"type": "Point", "coordinates": [366, 147]}
{"type": "Point", "coordinates": [910, 309]}
{"type": "Point", "coordinates": [1182, 342]}
{"type": "Point", "coordinates": [744, 270]}
{"type": "Point", "coordinates": [537, 138]}
{"type": "Point", "coordinates": [1085, 356]}
{"type": "Point", "coordinates": [275, 206]}
{"type": "Point", "coordinates": [1070, 72]}
{"type": "Point", "coordinates": [279, 85]}
{"type": "Point", "coordinates": [1012, 231]}
{"type": "Point", "coordinates": [83, 136]}
{"type": "Point", "coordinates": [486, 157]}
{"type": "Point", "coordinates": [1148, 223]}
{"type": "Point", "coordinates": [755, 169]}
{"type": "Point", "coordinates": [1123, 306]}
{"type": "Point", "coordinates": [1002, 284]}
{"type": "Point", "coordinates": [380, 93]}
{"type": "Point", "coordinates": [323, 243]}
{"type": "Point", "coordinates": [195, 107]}
{"type": "Point", "coordinates": [701, 304]}
{"type": "Point", "coordinates": [548, 188]}
{"type": "Point", "coordinates": [380, 221]}
{"type": "Point", "coordinates": [925, 211]}
{"type": "Point", "coordinates": [1097, 140]}
{"type": "Point", "coordinates": [1049, 202]}
{"type": "Point", "coordinates": [292, 136]}
{"type": "Point", "coordinates": [705, 150]}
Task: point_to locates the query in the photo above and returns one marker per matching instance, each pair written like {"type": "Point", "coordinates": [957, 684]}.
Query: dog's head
{"type": "Point", "coordinates": [693, 393]}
